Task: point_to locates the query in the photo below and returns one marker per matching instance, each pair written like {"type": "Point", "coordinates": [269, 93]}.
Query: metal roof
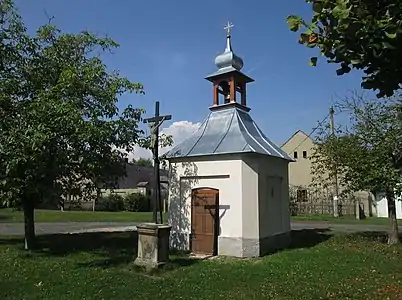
{"type": "Point", "coordinates": [228, 129]}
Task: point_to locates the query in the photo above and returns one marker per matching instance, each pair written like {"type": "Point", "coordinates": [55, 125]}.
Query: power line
{"type": "Point", "coordinates": [314, 129]}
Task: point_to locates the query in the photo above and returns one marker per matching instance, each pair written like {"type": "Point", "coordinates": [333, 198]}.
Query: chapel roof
{"type": "Point", "coordinates": [228, 129]}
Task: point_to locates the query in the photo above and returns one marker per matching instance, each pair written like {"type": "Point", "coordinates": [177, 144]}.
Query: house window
{"type": "Point", "coordinates": [295, 154]}
{"type": "Point", "coordinates": [301, 195]}
{"type": "Point", "coordinates": [304, 154]}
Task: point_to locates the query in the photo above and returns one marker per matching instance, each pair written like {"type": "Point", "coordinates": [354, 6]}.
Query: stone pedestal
{"type": "Point", "coordinates": [153, 245]}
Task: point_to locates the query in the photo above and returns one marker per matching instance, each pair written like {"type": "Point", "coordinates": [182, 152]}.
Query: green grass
{"type": "Point", "coordinates": [11, 216]}
{"type": "Point", "coordinates": [8, 215]}
{"type": "Point", "coordinates": [99, 266]}
{"type": "Point", "coordinates": [342, 220]}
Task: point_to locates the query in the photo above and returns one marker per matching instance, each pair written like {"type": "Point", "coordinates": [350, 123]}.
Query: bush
{"type": "Point", "coordinates": [111, 202]}
{"type": "Point", "coordinates": [137, 202]}
{"type": "Point", "coordinates": [294, 208]}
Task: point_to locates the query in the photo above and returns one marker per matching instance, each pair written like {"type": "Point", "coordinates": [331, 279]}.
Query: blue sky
{"type": "Point", "coordinates": [170, 47]}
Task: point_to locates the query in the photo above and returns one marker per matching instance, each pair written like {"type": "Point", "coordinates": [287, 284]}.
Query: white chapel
{"type": "Point", "coordinates": [229, 191]}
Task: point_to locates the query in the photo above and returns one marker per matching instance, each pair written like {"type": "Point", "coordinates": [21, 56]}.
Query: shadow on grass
{"type": "Point", "coordinates": [372, 236]}
{"type": "Point", "coordinates": [307, 238]}
{"type": "Point", "coordinates": [4, 218]}
{"type": "Point", "coordinates": [106, 249]}
{"type": "Point", "coordinates": [174, 264]}
{"type": "Point", "coordinates": [11, 241]}
{"type": "Point", "coordinates": [121, 249]}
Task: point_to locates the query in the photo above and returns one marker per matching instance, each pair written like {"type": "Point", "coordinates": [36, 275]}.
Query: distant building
{"type": "Point", "coordinates": [299, 146]}
{"type": "Point", "coordinates": [138, 179]}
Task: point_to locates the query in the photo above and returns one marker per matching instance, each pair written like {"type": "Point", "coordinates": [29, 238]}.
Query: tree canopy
{"type": "Point", "coordinates": [357, 34]}
{"type": "Point", "coordinates": [366, 152]}
{"type": "Point", "coordinates": [59, 119]}
{"type": "Point", "coordinates": [143, 162]}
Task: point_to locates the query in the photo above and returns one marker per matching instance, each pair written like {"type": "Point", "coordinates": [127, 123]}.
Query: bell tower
{"type": "Point", "coordinates": [229, 83]}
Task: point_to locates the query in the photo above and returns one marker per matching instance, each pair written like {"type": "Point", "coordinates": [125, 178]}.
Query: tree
{"type": "Point", "coordinates": [143, 162]}
{"type": "Point", "coordinates": [59, 120]}
{"type": "Point", "coordinates": [366, 153]}
{"type": "Point", "coordinates": [357, 34]}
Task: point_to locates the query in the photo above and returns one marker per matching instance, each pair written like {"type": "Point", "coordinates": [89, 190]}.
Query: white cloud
{"type": "Point", "coordinates": [178, 130]}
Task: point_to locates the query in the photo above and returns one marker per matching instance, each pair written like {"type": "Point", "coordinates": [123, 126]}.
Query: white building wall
{"type": "Point", "coordinates": [382, 207]}
{"type": "Point", "coordinates": [266, 216]}
{"type": "Point", "coordinates": [273, 190]}
{"type": "Point", "coordinates": [250, 195]}
{"type": "Point", "coordinates": [250, 221]}
{"type": "Point", "coordinates": [218, 172]}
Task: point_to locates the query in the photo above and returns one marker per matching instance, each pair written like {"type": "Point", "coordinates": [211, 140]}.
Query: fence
{"type": "Point", "coordinates": [308, 201]}
{"type": "Point", "coordinates": [309, 209]}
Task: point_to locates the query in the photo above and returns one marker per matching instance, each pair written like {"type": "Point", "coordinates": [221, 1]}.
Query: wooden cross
{"type": "Point", "coordinates": [155, 122]}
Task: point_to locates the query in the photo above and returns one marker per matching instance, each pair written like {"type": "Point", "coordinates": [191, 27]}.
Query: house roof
{"type": "Point", "coordinates": [227, 129]}
{"type": "Point", "coordinates": [137, 174]}
{"type": "Point", "coordinates": [301, 131]}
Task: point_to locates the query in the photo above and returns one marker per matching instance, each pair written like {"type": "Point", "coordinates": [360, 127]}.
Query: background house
{"type": "Point", "coordinates": [310, 200]}
{"type": "Point", "coordinates": [138, 179]}
{"type": "Point", "coordinates": [299, 146]}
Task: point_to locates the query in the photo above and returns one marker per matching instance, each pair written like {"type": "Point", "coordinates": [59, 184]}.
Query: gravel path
{"type": "Point", "coordinates": [76, 227]}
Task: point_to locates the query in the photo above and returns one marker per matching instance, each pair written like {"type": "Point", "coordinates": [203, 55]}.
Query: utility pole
{"type": "Point", "coordinates": [155, 122]}
{"type": "Point", "coordinates": [335, 167]}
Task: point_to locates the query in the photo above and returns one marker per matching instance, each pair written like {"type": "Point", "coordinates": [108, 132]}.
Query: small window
{"type": "Point", "coordinates": [301, 195]}
{"type": "Point", "coordinates": [304, 154]}
{"type": "Point", "coordinates": [295, 154]}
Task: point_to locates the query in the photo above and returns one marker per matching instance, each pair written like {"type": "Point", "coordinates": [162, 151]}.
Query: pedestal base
{"type": "Point", "coordinates": [153, 245]}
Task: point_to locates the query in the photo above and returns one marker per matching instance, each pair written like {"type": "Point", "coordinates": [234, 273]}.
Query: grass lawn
{"type": "Point", "coordinates": [343, 220]}
{"type": "Point", "coordinates": [8, 215]}
{"type": "Point", "coordinates": [99, 266]}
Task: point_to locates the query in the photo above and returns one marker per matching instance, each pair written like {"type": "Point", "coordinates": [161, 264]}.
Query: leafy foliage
{"type": "Point", "coordinates": [143, 162]}
{"type": "Point", "coordinates": [357, 34]}
{"type": "Point", "coordinates": [111, 202]}
{"type": "Point", "coordinates": [114, 202]}
{"type": "Point", "coordinates": [137, 202]}
{"type": "Point", "coordinates": [60, 124]}
{"type": "Point", "coordinates": [59, 114]}
{"type": "Point", "coordinates": [364, 151]}
{"type": "Point", "coordinates": [366, 154]}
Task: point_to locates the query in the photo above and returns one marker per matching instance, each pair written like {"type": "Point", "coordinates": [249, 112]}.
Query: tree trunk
{"type": "Point", "coordinates": [393, 235]}
{"type": "Point", "coordinates": [29, 224]}
{"type": "Point", "coordinates": [98, 196]}
{"type": "Point", "coordinates": [61, 203]}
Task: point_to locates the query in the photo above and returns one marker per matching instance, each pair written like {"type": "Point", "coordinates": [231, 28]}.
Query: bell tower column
{"type": "Point", "coordinates": [229, 83]}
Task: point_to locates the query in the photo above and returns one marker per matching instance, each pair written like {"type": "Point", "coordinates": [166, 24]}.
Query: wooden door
{"type": "Point", "coordinates": [204, 221]}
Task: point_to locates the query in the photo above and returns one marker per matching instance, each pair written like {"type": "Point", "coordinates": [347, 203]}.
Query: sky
{"type": "Point", "coordinates": [170, 46]}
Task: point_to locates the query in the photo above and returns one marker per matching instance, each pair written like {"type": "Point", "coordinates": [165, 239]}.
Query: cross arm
{"type": "Point", "coordinates": [157, 119]}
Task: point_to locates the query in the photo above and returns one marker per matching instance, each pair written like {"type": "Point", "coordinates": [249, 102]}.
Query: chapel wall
{"type": "Point", "coordinates": [222, 174]}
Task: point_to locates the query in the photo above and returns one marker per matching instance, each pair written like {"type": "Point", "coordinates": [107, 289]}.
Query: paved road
{"type": "Point", "coordinates": [67, 227]}
{"type": "Point", "coordinates": [75, 227]}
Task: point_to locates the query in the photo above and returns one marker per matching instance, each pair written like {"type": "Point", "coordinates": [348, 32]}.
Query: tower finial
{"type": "Point", "coordinates": [228, 28]}
{"type": "Point", "coordinates": [228, 58]}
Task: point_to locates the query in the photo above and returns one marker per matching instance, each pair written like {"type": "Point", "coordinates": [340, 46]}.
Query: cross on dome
{"type": "Point", "coordinates": [228, 58]}
{"type": "Point", "coordinates": [228, 28]}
